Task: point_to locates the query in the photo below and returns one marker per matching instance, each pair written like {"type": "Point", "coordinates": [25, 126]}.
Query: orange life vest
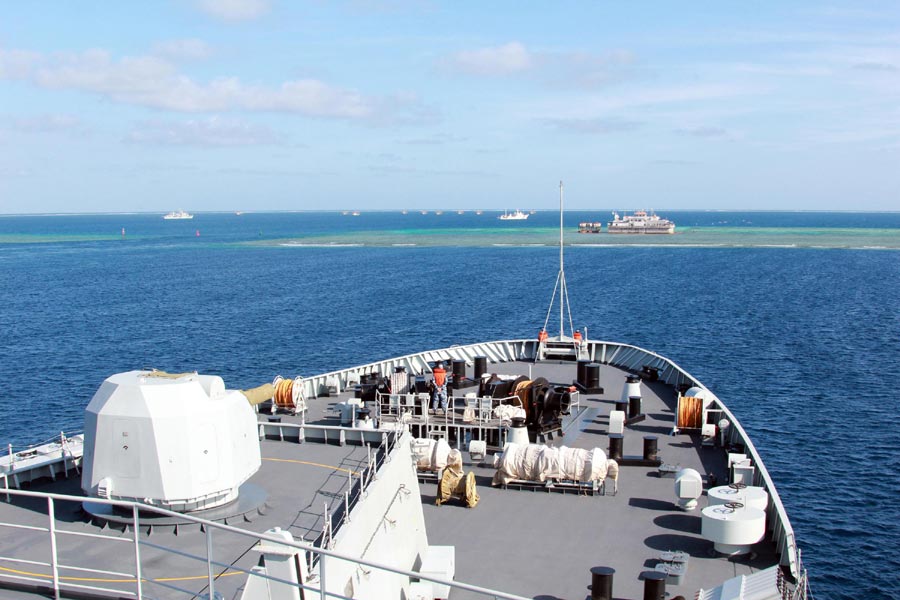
{"type": "Point", "coordinates": [440, 377]}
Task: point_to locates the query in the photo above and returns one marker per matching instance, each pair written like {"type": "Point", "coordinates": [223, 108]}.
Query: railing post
{"type": "Point", "coordinates": [209, 565]}
{"type": "Point", "coordinates": [51, 513]}
{"type": "Point", "coordinates": [322, 594]}
{"type": "Point", "coordinates": [137, 552]}
{"type": "Point", "coordinates": [347, 506]}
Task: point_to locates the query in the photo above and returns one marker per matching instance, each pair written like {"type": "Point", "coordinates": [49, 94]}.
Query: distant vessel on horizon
{"type": "Point", "coordinates": [178, 215]}
{"type": "Point", "coordinates": [514, 216]}
{"type": "Point", "coordinates": [639, 222]}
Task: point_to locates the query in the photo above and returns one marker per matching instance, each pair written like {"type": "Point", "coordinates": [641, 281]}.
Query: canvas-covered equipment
{"type": "Point", "coordinates": [507, 412]}
{"type": "Point", "coordinates": [431, 455]}
{"type": "Point", "coordinates": [536, 462]}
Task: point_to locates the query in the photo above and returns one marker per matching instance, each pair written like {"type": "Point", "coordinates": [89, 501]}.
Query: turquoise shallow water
{"type": "Point", "coordinates": [738, 237]}
{"type": "Point", "coordinates": [392, 229]}
{"type": "Point", "coordinates": [800, 342]}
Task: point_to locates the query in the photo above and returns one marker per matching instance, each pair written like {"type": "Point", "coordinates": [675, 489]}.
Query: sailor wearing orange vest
{"type": "Point", "coordinates": [439, 393]}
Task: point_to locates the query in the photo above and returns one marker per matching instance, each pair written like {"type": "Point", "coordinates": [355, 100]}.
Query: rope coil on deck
{"type": "Point", "coordinates": [289, 393]}
{"type": "Point", "coordinates": [690, 412]}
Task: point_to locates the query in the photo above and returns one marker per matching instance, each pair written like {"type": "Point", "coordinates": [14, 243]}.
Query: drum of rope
{"type": "Point", "coordinates": [284, 392]}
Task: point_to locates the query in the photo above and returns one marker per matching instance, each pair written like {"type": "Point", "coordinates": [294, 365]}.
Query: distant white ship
{"type": "Point", "coordinates": [639, 222]}
{"type": "Point", "coordinates": [514, 216]}
{"type": "Point", "coordinates": [178, 214]}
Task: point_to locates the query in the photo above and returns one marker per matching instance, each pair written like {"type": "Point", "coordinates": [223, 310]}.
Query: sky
{"type": "Point", "coordinates": [228, 105]}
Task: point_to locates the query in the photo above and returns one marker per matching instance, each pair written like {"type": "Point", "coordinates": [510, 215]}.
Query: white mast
{"type": "Point", "coordinates": [562, 274]}
{"type": "Point", "coordinates": [560, 281]}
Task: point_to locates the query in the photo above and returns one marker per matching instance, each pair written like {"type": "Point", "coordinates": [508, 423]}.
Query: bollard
{"type": "Point", "coordinates": [459, 373]}
{"type": "Point", "coordinates": [616, 442]}
{"type": "Point", "coordinates": [601, 583]}
{"type": "Point", "coordinates": [582, 366]}
{"type": "Point", "coordinates": [654, 585]}
{"type": "Point", "coordinates": [480, 366]}
{"type": "Point", "coordinates": [592, 376]}
{"type": "Point", "coordinates": [634, 406]}
{"type": "Point", "coordinates": [651, 449]}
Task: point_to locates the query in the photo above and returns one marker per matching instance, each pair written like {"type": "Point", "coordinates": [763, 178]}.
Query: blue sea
{"type": "Point", "coordinates": [793, 319]}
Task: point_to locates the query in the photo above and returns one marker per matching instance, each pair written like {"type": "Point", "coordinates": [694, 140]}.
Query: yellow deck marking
{"type": "Point", "coordinates": [304, 462]}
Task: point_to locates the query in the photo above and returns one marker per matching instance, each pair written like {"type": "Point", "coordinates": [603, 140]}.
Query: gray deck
{"type": "Point", "coordinates": [534, 543]}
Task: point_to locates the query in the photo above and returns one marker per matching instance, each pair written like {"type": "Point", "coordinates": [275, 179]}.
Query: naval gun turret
{"type": "Point", "coordinates": [178, 441]}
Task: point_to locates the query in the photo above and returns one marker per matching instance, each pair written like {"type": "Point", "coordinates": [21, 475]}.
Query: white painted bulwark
{"type": "Point", "coordinates": [183, 443]}
{"type": "Point", "coordinates": [387, 525]}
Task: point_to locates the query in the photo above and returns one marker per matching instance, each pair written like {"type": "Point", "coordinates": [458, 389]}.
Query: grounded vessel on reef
{"type": "Point", "coordinates": [405, 479]}
{"type": "Point", "coordinates": [639, 222]}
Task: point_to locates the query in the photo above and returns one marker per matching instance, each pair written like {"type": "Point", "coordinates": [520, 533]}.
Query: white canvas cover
{"type": "Point", "coordinates": [536, 462]}
{"type": "Point", "coordinates": [431, 455]}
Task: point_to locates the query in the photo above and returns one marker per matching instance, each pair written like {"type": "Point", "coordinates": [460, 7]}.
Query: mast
{"type": "Point", "coordinates": [560, 282]}
{"type": "Point", "coordinates": [562, 275]}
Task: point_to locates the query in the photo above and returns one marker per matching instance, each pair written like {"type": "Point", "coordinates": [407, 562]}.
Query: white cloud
{"type": "Point", "coordinates": [213, 131]}
{"type": "Point", "coordinates": [155, 82]}
{"type": "Point", "coordinates": [559, 69]}
{"type": "Point", "coordinates": [17, 64]}
{"type": "Point", "coordinates": [704, 131]}
{"type": "Point", "coordinates": [598, 126]}
{"type": "Point", "coordinates": [436, 139]}
{"type": "Point", "coordinates": [877, 67]}
{"type": "Point", "coordinates": [186, 49]}
{"type": "Point", "coordinates": [587, 71]}
{"type": "Point", "coordinates": [234, 10]}
{"type": "Point", "coordinates": [496, 60]}
{"type": "Point", "coordinates": [48, 123]}
{"type": "Point", "coordinates": [665, 95]}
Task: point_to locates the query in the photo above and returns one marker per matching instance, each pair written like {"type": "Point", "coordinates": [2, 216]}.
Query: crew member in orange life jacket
{"type": "Point", "coordinates": [440, 387]}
